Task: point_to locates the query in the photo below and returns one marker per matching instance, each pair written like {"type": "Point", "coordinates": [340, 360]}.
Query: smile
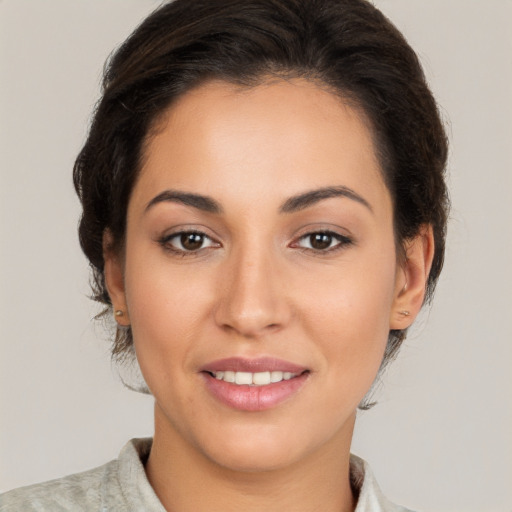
{"type": "Point", "coordinates": [253, 384]}
{"type": "Point", "coordinates": [254, 379]}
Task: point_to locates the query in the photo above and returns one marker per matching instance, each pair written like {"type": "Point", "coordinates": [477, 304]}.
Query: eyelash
{"type": "Point", "coordinates": [166, 242]}
{"type": "Point", "coordinates": [342, 241]}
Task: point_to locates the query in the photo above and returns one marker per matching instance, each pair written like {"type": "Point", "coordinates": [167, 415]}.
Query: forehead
{"type": "Point", "coordinates": [275, 139]}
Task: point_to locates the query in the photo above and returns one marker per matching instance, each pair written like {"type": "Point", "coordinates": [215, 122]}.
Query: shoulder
{"type": "Point", "coordinates": [120, 485]}
{"type": "Point", "coordinates": [81, 491]}
{"type": "Point", "coordinates": [370, 496]}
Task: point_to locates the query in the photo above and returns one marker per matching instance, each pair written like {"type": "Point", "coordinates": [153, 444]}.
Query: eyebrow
{"type": "Point", "coordinates": [204, 203]}
{"type": "Point", "coordinates": [307, 199]}
{"type": "Point", "coordinates": [292, 204]}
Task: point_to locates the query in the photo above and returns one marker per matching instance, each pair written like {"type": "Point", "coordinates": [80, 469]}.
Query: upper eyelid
{"type": "Point", "coordinates": [324, 231]}
{"type": "Point", "coordinates": [338, 236]}
{"type": "Point", "coordinates": [329, 229]}
{"type": "Point", "coordinates": [184, 231]}
{"type": "Point", "coordinates": [170, 236]}
{"type": "Point", "coordinates": [200, 230]}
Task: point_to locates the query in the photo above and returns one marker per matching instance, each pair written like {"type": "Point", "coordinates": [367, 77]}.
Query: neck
{"type": "Point", "coordinates": [185, 480]}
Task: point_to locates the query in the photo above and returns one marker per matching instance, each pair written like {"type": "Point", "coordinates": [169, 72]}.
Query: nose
{"type": "Point", "coordinates": [252, 299]}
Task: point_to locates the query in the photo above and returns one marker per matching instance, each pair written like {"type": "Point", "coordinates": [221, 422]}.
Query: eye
{"type": "Point", "coordinates": [322, 241]}
{"type": "Point", "coordinates": [188, 241]}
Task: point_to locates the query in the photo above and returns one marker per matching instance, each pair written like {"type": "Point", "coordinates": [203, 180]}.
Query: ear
{"type": "Point", "coordinates": [114, 279]}
{"type": "Point", "coordinates": [411, 279]}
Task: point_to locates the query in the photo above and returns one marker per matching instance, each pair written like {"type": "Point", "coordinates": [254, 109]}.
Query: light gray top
{"type": "Point", "coordinates": [121, 486]}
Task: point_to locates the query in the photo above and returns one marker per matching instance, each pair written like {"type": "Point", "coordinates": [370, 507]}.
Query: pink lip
{"type": "Point", "coordinates": [253, 398]}
{"type": "Point", "coordinates": [261, 364]}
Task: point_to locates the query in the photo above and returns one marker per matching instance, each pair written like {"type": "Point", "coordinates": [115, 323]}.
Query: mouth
{"type": "Point", "coordinates": [253, 384]}
{"type": "Point", "coordinates": [253, 379]}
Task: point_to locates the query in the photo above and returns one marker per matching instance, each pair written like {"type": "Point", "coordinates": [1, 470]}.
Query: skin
{"type": "Point", "coordinates": [257, 287]}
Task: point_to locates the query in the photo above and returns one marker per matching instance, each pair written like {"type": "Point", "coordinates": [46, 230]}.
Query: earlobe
{"type": "Point", "coordinates": [412, 278]}
{"type": "Point", "coordinates": [114, 280]}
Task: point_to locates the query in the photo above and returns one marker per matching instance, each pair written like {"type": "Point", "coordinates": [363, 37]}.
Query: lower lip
{"type": "Point", "coordinates": [254, 398]}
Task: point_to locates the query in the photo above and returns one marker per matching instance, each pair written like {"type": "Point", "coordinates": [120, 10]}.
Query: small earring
{"type": "Point", "coordinates": [119, 312]}
{"type": "Point", "coordinates": [404, 313]}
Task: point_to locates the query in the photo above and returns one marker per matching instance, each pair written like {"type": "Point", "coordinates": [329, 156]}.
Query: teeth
{"type": "Point", "coordinates": [253, 379]}
{"type": "Point", "coordinates": [243, 378]}
{"type": "Point", "coordinates": [276, 376]}
{"type": "Point", "coordinates": [261, 378]}
{"type": "Point", "coordinates": [229, 376]}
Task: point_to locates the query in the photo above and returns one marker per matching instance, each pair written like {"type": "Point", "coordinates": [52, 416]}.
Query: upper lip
{"type": "Point", "coordinates": [260, 364]}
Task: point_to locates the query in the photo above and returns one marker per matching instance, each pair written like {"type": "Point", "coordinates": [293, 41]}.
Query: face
{"type": "Point", "coordinates": [260, 275]}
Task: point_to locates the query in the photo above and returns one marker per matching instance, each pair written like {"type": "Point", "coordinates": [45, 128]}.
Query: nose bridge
{"type": "Point", "coordinates": [252, 301]}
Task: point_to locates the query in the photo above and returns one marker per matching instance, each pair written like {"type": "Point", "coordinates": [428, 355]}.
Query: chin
{"type": "Point", "coordinates": [268, 447]}
{"type": "Point", "coordinates": [254, 456]}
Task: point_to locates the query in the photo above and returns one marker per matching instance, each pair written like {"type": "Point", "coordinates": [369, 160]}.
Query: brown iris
{"type": "Point", "coordinates": [191, 241]}
{"type": "Point", "coordinates": [320, 241]}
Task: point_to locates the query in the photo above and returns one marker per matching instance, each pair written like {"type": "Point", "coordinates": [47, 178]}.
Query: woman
{"type": "Point", "coordinates": [264, 211]}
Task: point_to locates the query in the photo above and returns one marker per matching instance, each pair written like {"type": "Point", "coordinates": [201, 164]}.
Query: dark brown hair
{"type": "Point", "coordinates": [346, 45]}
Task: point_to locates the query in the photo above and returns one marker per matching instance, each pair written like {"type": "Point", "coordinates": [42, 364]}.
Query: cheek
{"type": "Point", "coordinates": [348, 312]}
{"type": "Point", "coordinates": [166, 311]}
{"type": "Point", "coordinates": [356, 295]}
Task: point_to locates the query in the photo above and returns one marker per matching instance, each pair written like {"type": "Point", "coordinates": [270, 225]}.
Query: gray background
{"type": "Point", "coordinates": [440, 439]}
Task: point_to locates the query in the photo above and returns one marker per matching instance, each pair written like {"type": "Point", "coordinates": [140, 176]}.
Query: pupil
{"type": "Point", "coordinates": [191, 241]}
{"type": "Point", "coordinates": [320, 241]}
